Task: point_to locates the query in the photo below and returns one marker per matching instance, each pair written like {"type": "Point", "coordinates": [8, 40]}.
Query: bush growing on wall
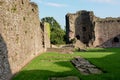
{"type": "Point", "coordinates": [48, 28]}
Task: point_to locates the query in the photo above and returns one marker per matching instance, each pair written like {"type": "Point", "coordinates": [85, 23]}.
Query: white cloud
{"type": "Point", "coordinates": [56, 4]}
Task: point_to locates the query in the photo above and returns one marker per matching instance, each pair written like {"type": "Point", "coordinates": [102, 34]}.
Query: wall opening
{"type": "Point", "coordinates": [118, 20]}
{"type": "Point", "coordinates": [33, 10]}
{"type": "Point", "coordinates": [83, 28]}
{"type": "Point", "coordinates": [116, 40]}
{"type": "Point", "coordinates": [77, 36]}
{"type": "Point", "coordinates": [22, 2]}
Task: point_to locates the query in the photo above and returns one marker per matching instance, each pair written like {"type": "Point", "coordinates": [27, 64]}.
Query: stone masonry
{"type": "Point", "coordinates": [85, 67]}
{"type": "Point", "coordinates": [91, 31]}
{"type": "Point", "coordinates": [46, 35]}
{"type": "Point", "coordinates": [21, 37]}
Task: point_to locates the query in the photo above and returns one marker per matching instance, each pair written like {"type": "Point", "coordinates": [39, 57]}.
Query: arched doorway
{"type": "Point", "coordinates": [116, 40]}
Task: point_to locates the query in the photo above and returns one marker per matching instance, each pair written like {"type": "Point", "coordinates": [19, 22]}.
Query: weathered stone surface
{"type": "Point", "coordinates": [22, 34]}
{"type": "Point", "coordinates": [46, 35]}
{"type": "Point", "coordinates": [85, 67]}
{"type": "Point", "coordinates": [79, 44]}
{"type": "Point", "coordinates": [92, 31]}
{"type": "Point", "coordinates": [65, 78]}
{"type": "Point", "coordinates": [107, 32]}
{"type": "Point", "coordinates": [5, 71]}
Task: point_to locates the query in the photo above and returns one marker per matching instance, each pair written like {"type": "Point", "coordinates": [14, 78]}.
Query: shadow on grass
{"type": "Point", "coordinates": [45, 74]}
{"type": "Point", "coordinates": [35, 75]}
{"type": "Point", "coordinates": [39, 75]}
{"type": "Point", "coordinates": [109, 63]}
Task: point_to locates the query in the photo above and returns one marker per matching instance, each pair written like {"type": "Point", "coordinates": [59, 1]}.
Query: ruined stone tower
{"type": "Point", "coordinates": [21, 37]}
{"type": "Point", "coordinates": [91, 31]}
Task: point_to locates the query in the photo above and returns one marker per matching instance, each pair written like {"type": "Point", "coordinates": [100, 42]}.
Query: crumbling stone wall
{"type": "Point", "coordinates": [79, 26]}
{"type": "Point", "coordinates": [91, 31]}
{"type": "Point", "coordinates": [107, 32]}
{"type": "Point", "coordinates": [22, 34]}
{"type": "Point", "coordinates": [46, 34]}
{"type": "Point", "coordinates": [70, 26]}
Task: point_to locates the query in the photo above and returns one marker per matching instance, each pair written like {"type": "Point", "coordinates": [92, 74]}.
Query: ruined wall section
{"type": "Point", "coordinates": [80, 26]}
{"type": "Point", "coordinates": [92, 31]}
{"type": "Point", "coordinates": [70, 26]}
{"type": "Point", "coordinates": [107, 32]}
{"type": "Point", "coordinates": [84, 26]}
{"type": "Point", "coordinates": [20, 29]}
{"type": "Point", "coordinates": [46, 34]}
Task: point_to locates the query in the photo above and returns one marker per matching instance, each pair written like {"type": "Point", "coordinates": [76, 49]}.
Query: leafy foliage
{"type": "Point", "coordinates": [57, 35]}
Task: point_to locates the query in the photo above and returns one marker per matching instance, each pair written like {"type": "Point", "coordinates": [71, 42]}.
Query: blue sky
{"type": "Point", "coordinates": [59, 8]}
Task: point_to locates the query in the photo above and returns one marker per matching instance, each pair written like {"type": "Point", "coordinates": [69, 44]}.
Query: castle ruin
{"type": "Point", "coordinates": [21, 37]}
{"type": "Point", "coordinates": [91, 31]}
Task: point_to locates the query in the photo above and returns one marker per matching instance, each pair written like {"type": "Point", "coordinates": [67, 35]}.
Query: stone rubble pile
{"type": "Point", "coordinates": [85, 67]}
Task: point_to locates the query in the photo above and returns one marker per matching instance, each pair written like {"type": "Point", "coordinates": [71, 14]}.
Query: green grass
{"type": "Point", "coordinates": [58, 65]}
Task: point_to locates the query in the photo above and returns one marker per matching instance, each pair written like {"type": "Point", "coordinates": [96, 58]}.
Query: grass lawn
{"type": "Point", "coordinates": [58, 65]}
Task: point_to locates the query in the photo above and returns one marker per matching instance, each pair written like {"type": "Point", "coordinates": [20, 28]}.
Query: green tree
{"type": "Point", "coordinates": [57, 35]}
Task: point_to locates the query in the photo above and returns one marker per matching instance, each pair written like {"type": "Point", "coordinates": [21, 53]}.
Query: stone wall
{"type": "Point", "coordinates": [5, 71]}
{"type": "Point", "coordinates": [107, 32]}
{"type": "Point", "coordinates": [46, 34]}
{"type": "Point", "coordinates": [91, 31]}
{"type": "Point", "coordinates": [21, 35]}
{"type": "Point", "coordinates": [70, 26]}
